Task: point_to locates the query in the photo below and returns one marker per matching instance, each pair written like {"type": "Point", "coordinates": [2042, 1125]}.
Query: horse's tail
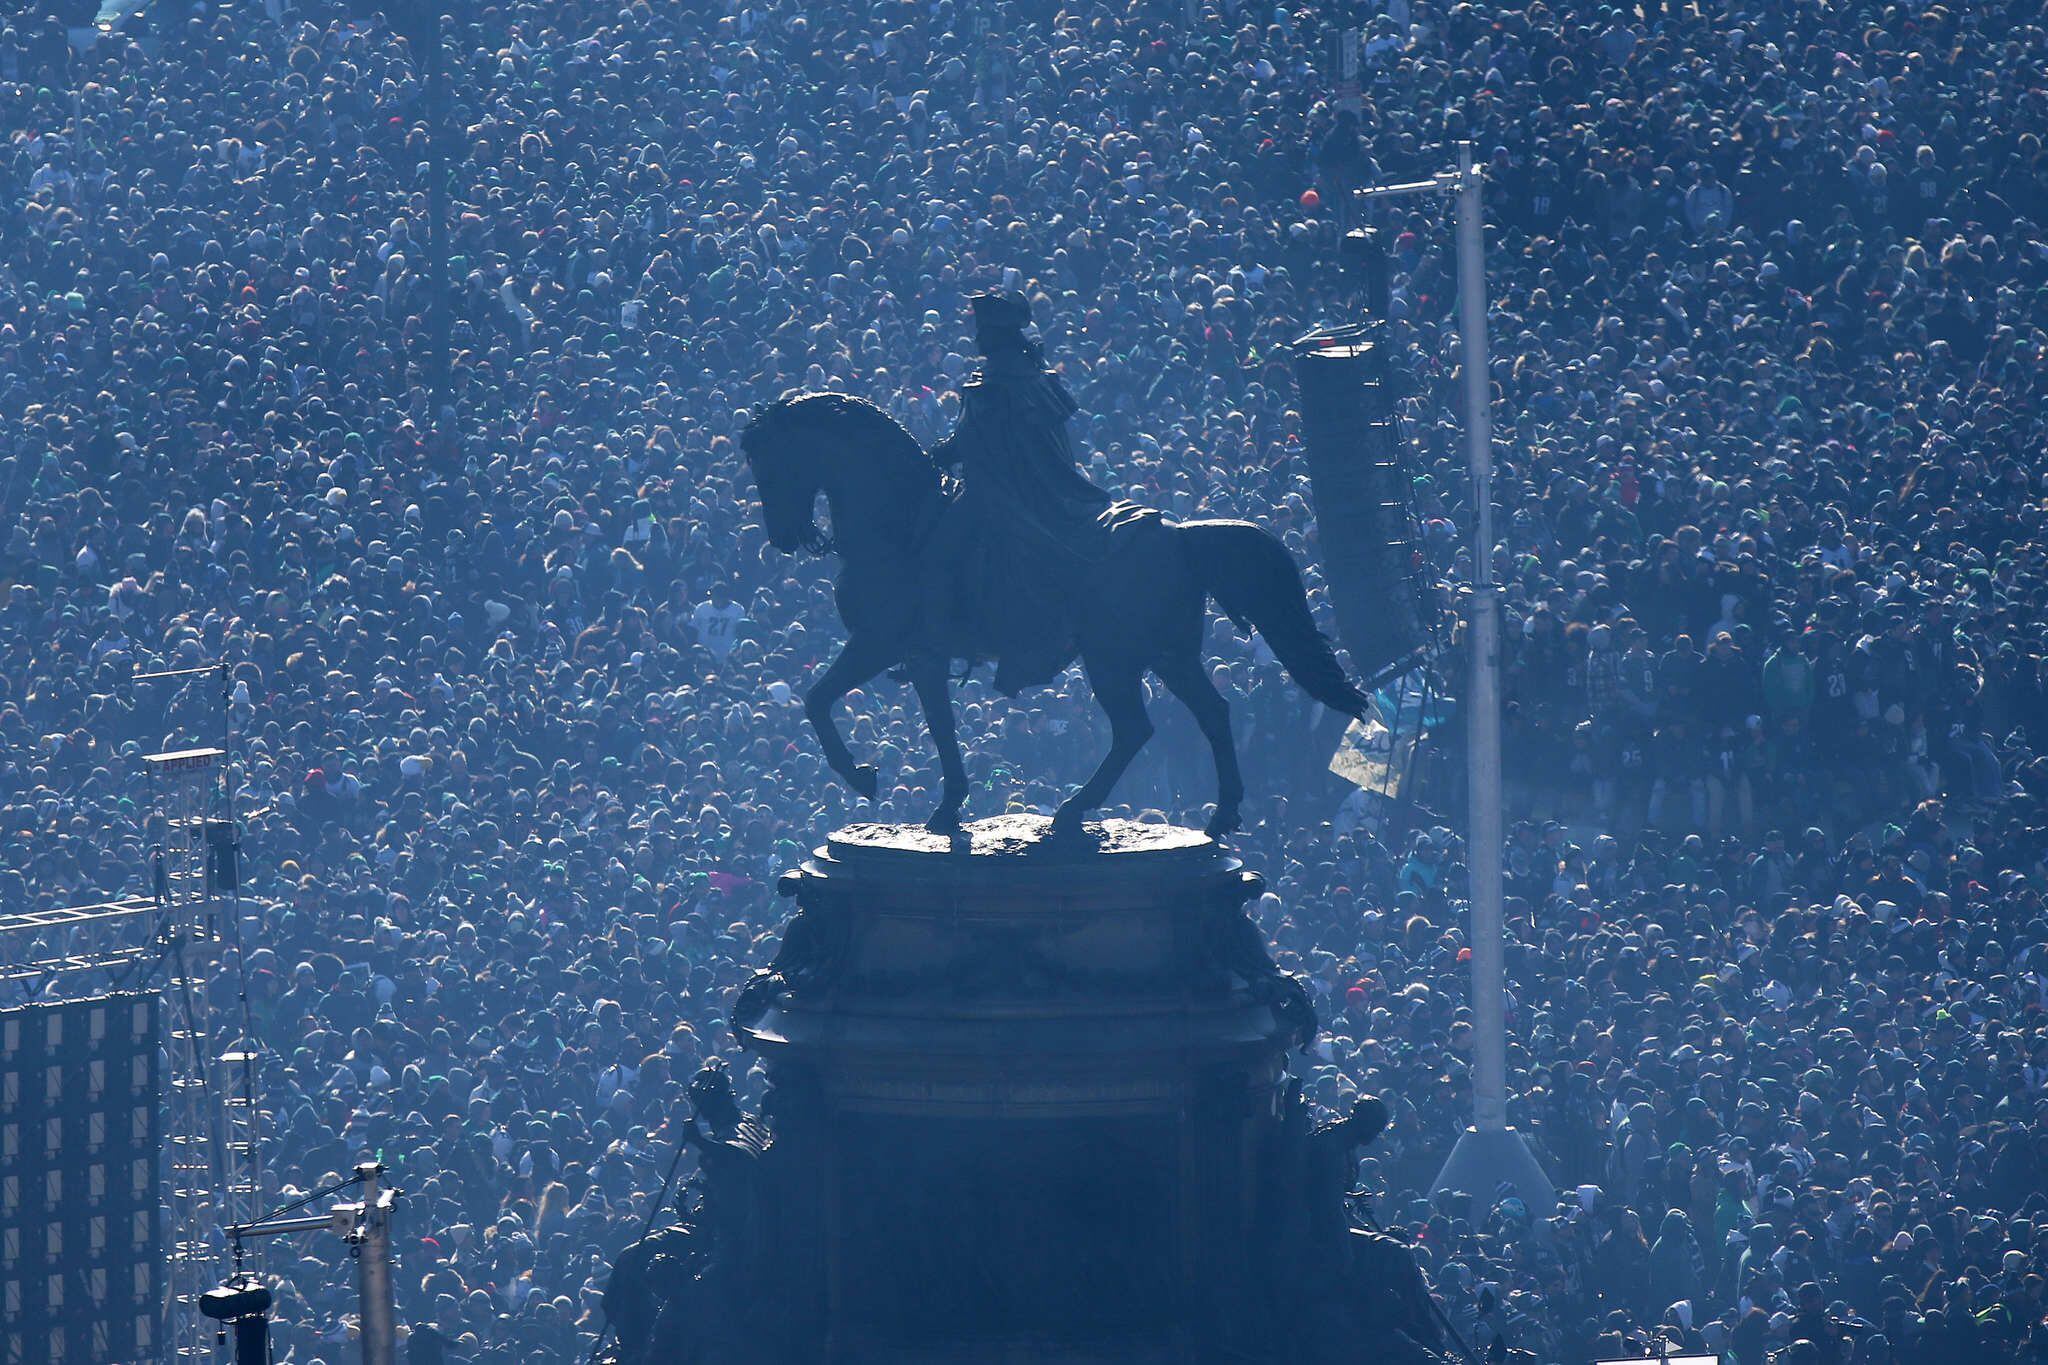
{"type": "Point", "coordinates": [1253, 578]}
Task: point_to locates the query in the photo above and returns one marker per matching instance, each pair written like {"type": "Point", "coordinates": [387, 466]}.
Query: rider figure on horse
{"type": "Point", "coordinates": [1027, 526]}
{"type": "Point", "coordinates": [1029, 566]}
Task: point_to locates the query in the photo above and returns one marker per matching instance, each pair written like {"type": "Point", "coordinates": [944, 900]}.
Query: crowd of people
{"type": "Point", "coordinates": [514, 682]}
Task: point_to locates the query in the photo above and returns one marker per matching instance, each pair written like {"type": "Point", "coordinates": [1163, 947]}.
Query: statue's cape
{"type": "Point", "coordinates": [1020, 545]}
{"type": "Point", "coordinates": [1020, 395]}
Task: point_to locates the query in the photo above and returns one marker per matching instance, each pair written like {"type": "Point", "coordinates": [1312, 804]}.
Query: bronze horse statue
{"type": "Point", "coordinates": [1146, 610]}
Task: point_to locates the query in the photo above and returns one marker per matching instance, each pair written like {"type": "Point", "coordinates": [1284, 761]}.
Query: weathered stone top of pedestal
{"type": "Point", "coordinates": [1022, 836]}
{"type": "Point", "coordinates": [1007, 949]}
{"type": "Point", "coordinates": [1007, 862]}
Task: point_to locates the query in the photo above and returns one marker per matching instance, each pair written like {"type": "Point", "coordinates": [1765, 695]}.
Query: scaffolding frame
{"type": "Point", "coordinates": [76, 917]}
{"type": "Point", "coordinates": [213, 1129]}
{"type": "Point", "coordinates": [185, 938]}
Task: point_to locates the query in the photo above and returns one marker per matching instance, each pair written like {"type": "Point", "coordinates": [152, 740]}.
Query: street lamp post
{"type": "Point", "coordinates": [365, 1225]}
{"type": "Point", "coordinates": [1489, 1152]}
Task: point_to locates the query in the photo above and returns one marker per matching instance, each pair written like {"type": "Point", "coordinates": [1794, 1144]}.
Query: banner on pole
{"type": "Point", "coordinates": [1370, 756]}
{"type": "Point", "coordinates": [1374, 756]}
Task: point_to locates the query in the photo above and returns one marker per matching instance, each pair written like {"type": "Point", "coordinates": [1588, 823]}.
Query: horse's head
{"type": "Point", "coordinates": [805, 444]}
{"type": "Point", "coordinates": [782, 452]}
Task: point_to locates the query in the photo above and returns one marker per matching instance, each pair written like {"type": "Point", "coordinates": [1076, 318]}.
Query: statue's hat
{"type": "Point", "coordinates": [1000, 309]}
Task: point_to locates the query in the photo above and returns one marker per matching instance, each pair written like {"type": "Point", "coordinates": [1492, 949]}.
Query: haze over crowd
{"type": "Point", "coordinates": [514, 686]}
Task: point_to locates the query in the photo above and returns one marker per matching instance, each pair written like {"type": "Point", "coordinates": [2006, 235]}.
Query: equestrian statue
{"type": "Point", "coordinates": [1021, 561]}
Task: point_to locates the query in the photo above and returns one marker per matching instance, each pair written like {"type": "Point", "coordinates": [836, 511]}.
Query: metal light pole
{"type": "Point", "coordinates": [1489, 1152]}
{"type": "Point", "coordinates": [365, 1224]}
{"type": "Point", "coordinates": [1482, 723]}
{"type": "Point", "coordinates": [372, 1235]}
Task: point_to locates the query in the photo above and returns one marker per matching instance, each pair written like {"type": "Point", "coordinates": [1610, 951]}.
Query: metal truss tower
{"type": "Point", "coordinates": [212, 1127]}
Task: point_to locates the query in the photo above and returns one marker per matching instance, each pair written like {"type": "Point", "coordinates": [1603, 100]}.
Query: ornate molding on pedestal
{"type": "Point", "coordinates": [1028, 1104]}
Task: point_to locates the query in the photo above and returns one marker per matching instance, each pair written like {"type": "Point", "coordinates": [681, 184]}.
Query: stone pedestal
{"type": "Point", "coordinates": [1028, 1106]}
{"type": "Point", "coordinates": [1023, 1091]}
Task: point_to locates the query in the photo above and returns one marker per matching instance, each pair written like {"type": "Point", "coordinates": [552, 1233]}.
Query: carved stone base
{"type": "Point", "coordinates": [1029, 1106]}
{"type": "Point", "coordinates": [1036, 1086]}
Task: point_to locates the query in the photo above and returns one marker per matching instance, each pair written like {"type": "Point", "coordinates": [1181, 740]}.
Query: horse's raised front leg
{"type": "Point", "coordinates": [1187, 679]}
{"type": "Point", "coordinates": [1120, 692]}
{"type": "Point", "coordinates": [929, 678]}
{"type": "Point", "coordinates": [858, 660]}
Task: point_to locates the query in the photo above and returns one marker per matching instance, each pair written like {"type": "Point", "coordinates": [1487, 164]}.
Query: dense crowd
{"type": "Point", "coordinates": [513, 684]}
